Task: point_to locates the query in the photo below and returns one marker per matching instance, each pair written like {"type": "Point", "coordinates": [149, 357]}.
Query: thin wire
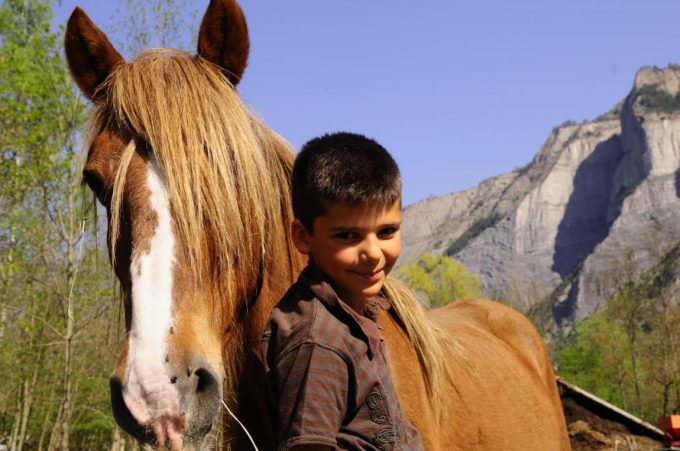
{"type": "Point", "coordinates": [240, 424]}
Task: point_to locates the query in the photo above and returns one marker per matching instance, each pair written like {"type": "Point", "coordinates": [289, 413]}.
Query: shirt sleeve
{"type": "Point", "coordinates": [312, 385]}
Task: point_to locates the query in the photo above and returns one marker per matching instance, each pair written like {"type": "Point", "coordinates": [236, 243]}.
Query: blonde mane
{"type": "Point", "coordinates": [228, 179]}
{"type": "Point", "coordinates": [436, 349]}
{"type": "Point", "coordinates": [225, 171]}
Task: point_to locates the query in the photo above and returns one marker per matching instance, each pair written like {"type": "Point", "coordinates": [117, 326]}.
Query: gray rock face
{"type": "Point", "coordinates": [554, 233]}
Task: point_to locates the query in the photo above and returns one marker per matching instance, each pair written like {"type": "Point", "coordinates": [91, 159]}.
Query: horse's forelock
{"type": "Point", "coordinates": [227, 174]}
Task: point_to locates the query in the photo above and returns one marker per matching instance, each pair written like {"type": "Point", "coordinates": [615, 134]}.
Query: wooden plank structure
{"type": "Point", "coordinates": [595, 424]}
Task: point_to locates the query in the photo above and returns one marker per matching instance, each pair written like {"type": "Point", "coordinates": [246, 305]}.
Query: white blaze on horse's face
{"type": "Point", "coordinates": [149, 391]}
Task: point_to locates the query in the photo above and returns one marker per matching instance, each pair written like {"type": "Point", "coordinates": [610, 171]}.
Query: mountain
{"type": "Point", "coordinates": [600, 201]}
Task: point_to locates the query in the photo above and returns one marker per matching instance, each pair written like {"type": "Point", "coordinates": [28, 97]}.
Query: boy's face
{"type": "Point", "coordinates": [356, 247]}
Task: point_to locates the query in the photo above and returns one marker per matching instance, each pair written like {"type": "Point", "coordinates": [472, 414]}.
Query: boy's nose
{"type": "Point", "coordinates": [370, 251]}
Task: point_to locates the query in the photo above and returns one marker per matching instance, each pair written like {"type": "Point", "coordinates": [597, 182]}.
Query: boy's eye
{"type": "Point", "coordinates": [388, 231]}
{"type": "Point", "coordinates": [345, 236]}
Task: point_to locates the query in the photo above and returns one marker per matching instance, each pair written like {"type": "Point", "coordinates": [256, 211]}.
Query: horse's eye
{"type": "Point", "coordinates": [94, 181]}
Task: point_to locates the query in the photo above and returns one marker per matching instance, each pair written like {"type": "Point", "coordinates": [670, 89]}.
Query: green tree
{"type": "Point", "coordinates": [628, 351]}
{"type": "Point", "coordinates": [60, 323]}
{"type": "Point", "coordinates": [440, 279]}
{"type": "Point", "coordinates": [597, 359]}
{"type": "Point", "coordinates": [660, 351]}
{"type": "Point", "coordinates": [52, 278]}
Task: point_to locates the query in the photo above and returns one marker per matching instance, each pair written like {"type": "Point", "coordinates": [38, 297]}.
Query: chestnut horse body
{"type": "Point", "coordinates": [197, 194]}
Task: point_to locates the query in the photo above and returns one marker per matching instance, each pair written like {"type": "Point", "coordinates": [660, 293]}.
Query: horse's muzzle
{"type": "Point", "coordinates": [199, 392]}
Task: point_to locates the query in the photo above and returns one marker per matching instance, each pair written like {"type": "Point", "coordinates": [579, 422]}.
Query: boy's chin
{"type": "Point", "coordinates": [372, 292]}
{"type": "Point", "coordinates": [361, 296]}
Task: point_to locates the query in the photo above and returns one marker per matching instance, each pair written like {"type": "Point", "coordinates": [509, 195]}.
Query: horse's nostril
{"type": "Point", "coordinates": [200, 396]}
{"type": "Point", "coordinates": [206, 381]}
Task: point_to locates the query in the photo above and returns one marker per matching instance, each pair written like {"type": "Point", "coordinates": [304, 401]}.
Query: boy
{"type": "Point", "coordinates": [327, 374]}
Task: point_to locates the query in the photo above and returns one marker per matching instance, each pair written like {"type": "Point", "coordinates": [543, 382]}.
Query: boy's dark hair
{"type": "Point", "coordinates": [342, 167]}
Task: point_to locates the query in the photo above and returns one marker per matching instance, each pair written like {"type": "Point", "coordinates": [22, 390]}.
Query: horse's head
{"type": "Point", "coordinates": [192, 186]}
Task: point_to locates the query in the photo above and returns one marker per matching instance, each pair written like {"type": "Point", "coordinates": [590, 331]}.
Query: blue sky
{"type": "Point", "coordinates": [458, 91]}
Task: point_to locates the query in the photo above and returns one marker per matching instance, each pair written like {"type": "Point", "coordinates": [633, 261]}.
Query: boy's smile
{"type": "Point", "coordinates": [355, 247]}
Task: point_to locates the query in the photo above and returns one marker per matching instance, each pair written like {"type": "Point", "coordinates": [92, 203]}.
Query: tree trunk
{"type": "Point", "coordinates": [26, 409]}
{"type": "Point", "coordinates": [68, 366]}
{"type": "Point", "coordinates": [56, 431]}
{"type": "Point", "coordinates": [666, 398]}
{"type": "Point", "coordinates": [15, 426]}
{"type": "Point", "coordinates": [117, 440]}
{"type": "Point", "coordinates": [622, 390]}
{"type": "Point", "coordinates": [636, 383]}
{"type": "Point", "coordinates": [3, 321]}
{"type": "Point", "coordinates": [41, 442]}
{"type": "Point", "coordinates": [70, 325]}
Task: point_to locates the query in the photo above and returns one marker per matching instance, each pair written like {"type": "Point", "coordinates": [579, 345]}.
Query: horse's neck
{"type": "Point", "coordinates": [253, 405]}
{"type": "Point", "coordinates": [279, 274]}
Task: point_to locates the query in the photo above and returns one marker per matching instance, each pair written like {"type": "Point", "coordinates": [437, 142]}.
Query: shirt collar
{"type": "Point", "coordinates": [366, 326]}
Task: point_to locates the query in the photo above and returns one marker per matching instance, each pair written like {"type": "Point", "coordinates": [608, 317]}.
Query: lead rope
{"type": "Point", "coordinates": [240, 424]}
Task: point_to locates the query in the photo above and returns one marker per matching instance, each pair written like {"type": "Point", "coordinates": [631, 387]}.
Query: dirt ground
{"type": "Point", "coordinates": [589, 432]}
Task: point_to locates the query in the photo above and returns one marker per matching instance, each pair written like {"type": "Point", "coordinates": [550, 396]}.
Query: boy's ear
{"type": "Point", "coordinates": [301, 237]}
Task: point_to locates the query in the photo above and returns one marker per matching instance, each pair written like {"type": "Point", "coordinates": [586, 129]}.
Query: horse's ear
{"type": "Point", "coordinates": [90, 55]}
{"type": "Point", "coordinates": [223, 38]}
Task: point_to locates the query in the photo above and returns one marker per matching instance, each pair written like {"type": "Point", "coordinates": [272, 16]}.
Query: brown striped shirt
{"type": "Point", "coordinates": [327, 374]}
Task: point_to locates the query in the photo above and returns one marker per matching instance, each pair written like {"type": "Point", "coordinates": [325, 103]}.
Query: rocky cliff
{"type": "Point", "coordinates": [553, 236]}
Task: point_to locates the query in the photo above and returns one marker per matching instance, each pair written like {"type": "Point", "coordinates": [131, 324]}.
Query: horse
{"type": "Point", "coordinates": [197, 194]}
